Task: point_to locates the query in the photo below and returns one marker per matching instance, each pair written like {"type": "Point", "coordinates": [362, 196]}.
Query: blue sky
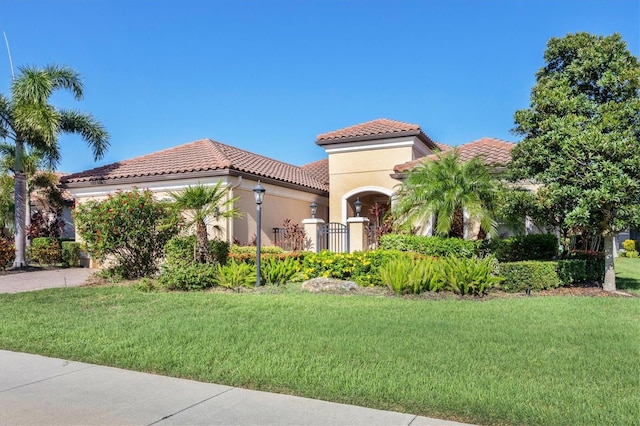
{"type": "Point", "coordinates": [269, 76]}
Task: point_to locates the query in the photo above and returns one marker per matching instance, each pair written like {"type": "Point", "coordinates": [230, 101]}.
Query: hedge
{"type": "Point", "coordinates": [523, 247]}
{"type": "Point", "coordinates": [430, 246]}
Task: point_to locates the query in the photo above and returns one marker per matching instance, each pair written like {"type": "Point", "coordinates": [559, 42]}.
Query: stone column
{"type": "Point", "coordinates": [357, 233]}
{"type": "Point", "coordinates": [311, 227]}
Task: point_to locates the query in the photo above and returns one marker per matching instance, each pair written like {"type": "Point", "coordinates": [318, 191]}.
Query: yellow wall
{"type": "Point", "coordinates": [349, 171]}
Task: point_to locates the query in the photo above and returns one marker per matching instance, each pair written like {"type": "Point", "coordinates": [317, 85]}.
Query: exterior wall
{"type": "Point", "coordinates": [366, 165]}
{"type": "Point", "coordinates": [279, 204]}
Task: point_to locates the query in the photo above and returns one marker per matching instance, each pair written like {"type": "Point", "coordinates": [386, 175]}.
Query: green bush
{"type": "Point", "coordinates": [247, 254]}
{"type": "Point", "coordinates": [129, 227]}
{"type": "Point", "coordinates": [279, 271]}
{"type": "Point", "coordinates": [594, 264]}
{"type": "Point", "coordinates": [529, 274]}
{"type": "Point", "coordinates": [7, 254]}
{"type": "Point", "coordinates": [45, 251]}
{"type": "Point", "coordinates": [71, 253]}
{"type": "Point", "coordinates": [572, 271]}
{"type": "Point", "coordinates": [195, 276]}
{"type": "Point", "coordinates": [429, 246]}
{"type": "Point", "coordinates": [469, 276]}
{"type": "Point", "coordinates": [220, 250]}
{"type": "Point", "coordinates": [405, 275]}
{"type": "Point", "coordinates": [523, 247]}
{"type": "Point", "coordinates": [631, 254]}
{"type": "Point", "coordinates": [235, 275]}
{"type": "Point", "coordinates": [181, 250]}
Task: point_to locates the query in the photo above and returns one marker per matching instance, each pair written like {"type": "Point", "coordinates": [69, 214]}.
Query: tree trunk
{"type": "Point", "coordinates": [20, 190]}
{"type": "Point", "coordinates": [609, 283]}
{"type": "Point", "coordinates": [203, 254]}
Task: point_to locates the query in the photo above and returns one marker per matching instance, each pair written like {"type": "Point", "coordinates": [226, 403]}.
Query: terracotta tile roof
{"type": "Point", "coordinates": [493, 152]}
{"type": "Point", "coordinates": [200, 156]}
{"type": "Point", "coordinates": [318, 169]}
{"type": "Point", "coordinates": [380, 128]}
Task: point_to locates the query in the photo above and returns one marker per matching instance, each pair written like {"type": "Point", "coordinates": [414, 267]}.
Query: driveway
{"type": "Point", "coordinates": [15, 282]}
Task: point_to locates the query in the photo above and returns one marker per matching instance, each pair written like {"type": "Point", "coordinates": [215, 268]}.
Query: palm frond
{"type": "Point", "coordinates": [90, 129]}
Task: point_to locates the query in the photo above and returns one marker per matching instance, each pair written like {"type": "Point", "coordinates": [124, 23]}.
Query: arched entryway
{"type": "Point", "coordinates": [376, 202]}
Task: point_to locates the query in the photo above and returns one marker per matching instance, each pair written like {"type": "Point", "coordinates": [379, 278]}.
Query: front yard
{"type": "Point", "coordinates": [627, 274]}
{"type": "Point", "coordinates": [512, 360]}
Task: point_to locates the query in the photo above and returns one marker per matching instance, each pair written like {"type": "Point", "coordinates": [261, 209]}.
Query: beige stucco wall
{"type": "Point", "coordinates": [368, 167]}
{"type": "Point", "coordinates": [279, 204]}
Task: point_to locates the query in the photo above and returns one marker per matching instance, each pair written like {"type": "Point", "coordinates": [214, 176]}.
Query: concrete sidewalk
{"type": "Point", "coordinates": [36, 390]}
{"type": "Point", "coordinates": [38, 280]}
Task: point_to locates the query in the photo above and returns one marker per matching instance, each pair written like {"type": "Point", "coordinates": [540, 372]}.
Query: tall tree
{"type": "Point", "coordinates": [582, 136]}
{"type": "Point", "coordinates": [28, 120]}
{"type": "Point", "coordinates": [447, 188]}
{"type": "Point", "coordinates": [200, 203]}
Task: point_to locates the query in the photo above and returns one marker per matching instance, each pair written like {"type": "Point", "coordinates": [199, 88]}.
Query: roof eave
{"type": "Point", "coordinates": [420, 134]}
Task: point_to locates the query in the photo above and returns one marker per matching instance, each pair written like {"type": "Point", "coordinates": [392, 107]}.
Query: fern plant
{"type": "Point", "coordinates": [279, 271]}
{"type": "Point", "coordinates": [470, 276]}
{"type": "Point", "coordinates": [235, 275]}
{"type": "Point", "coordinates": [406, 275]}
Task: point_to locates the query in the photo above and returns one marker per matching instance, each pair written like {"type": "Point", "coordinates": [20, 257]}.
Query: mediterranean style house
{"type": "Point", "coordinates": [365, 163]}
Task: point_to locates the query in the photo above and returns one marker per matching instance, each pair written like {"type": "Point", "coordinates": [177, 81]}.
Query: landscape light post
{"type": "Point", "coordinates": [258, 193]}
{"type": "Point", "coordinates": [314, 209]}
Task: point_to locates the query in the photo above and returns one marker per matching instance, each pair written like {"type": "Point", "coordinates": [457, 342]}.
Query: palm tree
{"type": "Point", "coordinates": [199, 203]}
{"type": "Point", "coordinates": [447, 188]}
{"type": "Point", "coordinates": [29, 120]}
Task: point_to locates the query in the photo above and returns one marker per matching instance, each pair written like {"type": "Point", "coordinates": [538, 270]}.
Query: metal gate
{"type": "Point", "coordinates": [333, 236]}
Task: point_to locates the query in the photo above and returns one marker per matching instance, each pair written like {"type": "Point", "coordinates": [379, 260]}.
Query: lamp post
{"type": "Point", "coordinates": [258, 193]}
{"type": "Point", "coordinates": [314, 209]}
{"type": "Point", "coordinates": [358, 205]}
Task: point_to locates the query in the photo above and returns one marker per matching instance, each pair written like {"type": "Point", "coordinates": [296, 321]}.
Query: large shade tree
{"type": "Point", "coordinates": [448, 189]}
{"type": "Point", "coordinates": [27, 119]}
{"type": "Point", "coordinates": [201, 203]}
{"type": "Point", "coordinates": [582, 136]}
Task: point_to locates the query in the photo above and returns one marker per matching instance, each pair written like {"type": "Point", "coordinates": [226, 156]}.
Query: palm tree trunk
{"type": "Point", "coordinates": [609, 283]}
{"type": "Point", "coordinates": [20, 189]}
{"type": "Point", "coordinates": [203, 254]}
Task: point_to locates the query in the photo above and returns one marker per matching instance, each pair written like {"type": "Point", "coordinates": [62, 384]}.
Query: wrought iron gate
{"type": "Point", "coordinates": [333, 236]}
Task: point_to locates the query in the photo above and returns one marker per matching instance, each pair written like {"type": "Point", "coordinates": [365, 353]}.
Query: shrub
{"type": "Point", "coordinates": [429, 246]}
{"type": "Point", "coordinates": [219, 250]}
{"type": "Point", "coordinates": [71, 253]}
{"type": "Point", "coordinates": [196, 276]}
{"type": "Point", "coordinates": [361, 267]}
{"type": "Point", "coordinates": [469, 276]}
{"type": "Point", "coordinates": [235, 275]}
{"type": "Point", "coordinates": [523, 247]}
{"type": "Point", "coordinates": [181, 250]}
{"type": "Point", "coordinates": [529, 274]}
{"type": "Point", "coordinates": [7, 254]}
{"type": "Point", "coordinates": [131, 228]}
{"type": "Point", "coordinates": [594, 264]}
{"type": "Point", "coordinates": [631, 254]}
{"type": "Point", "coordinates": [630, 245]}
{"type": "Point", "coordinates": [405, 275]}
{"type": "Point", "coordinates": [572, 271]}
{"type": "Point", "coordinates": [279, 271]}
{"type": "Point", "coordinates": [247, 254]}
{"type": "Point", "coordinates": [45, 251]}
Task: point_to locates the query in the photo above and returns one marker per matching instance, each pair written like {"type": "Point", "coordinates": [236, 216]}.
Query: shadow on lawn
{"type": "Point", "coordinates": [626, 283]}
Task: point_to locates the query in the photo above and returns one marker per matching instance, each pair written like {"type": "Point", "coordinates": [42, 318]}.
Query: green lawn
{"type": "Point", "coordinates": [519, 360]}
{"type": "Point", "coordinates": [627, 274]}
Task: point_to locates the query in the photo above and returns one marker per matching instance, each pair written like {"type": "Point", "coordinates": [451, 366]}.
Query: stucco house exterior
{"type": "Point", "coordinates": [364, 162]}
